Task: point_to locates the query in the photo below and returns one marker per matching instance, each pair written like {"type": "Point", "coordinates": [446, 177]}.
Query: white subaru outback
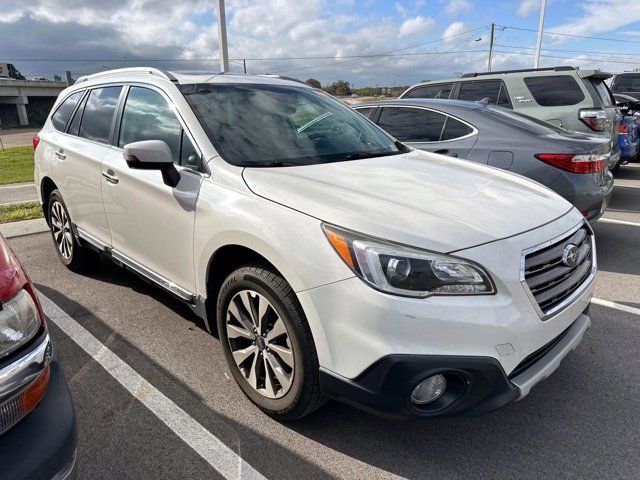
{"type": "Point", "coordinates": [333, 261]}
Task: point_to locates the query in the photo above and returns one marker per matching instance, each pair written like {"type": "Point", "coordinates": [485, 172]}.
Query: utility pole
{"type": "Point", "coordinates": [543, 9]}
{"type": "Point", "coordinates": [493, 26]}
{"type": "Point", "coordinates": [244, 64]}
{"type": "Point", "coordinates": [222, 38]}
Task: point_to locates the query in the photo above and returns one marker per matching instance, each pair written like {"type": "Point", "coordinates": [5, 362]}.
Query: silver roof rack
{"type": "Point", "coordinates": [130, 70]}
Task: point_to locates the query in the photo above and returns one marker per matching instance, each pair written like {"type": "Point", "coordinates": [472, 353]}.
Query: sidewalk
{"type": "Point", "coordinates": [18, 193]}
{"type": "Point", "coordinates": [26, 227]}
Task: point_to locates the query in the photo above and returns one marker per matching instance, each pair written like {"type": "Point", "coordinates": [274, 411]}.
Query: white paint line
{"type": "Point", "coordinates": [617, 306]}
{"type": "Point", "coordinates": [228, 463]}
{"type": "Point", "coordinates": [623, 185]}
{"type": "Point", "coordinates": [619, 222]}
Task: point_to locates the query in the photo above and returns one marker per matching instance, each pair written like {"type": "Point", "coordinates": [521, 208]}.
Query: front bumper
{"type": "Point", "coordinates": [43, 444]}
{"type": "Point", "coordinates": [476, 385]}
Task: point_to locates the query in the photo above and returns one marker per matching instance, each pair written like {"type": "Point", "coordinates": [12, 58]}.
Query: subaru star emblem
{"type": "Point", "coordinates": [570, 255]}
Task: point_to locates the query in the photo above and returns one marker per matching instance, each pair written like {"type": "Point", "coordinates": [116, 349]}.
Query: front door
{"type": "Point", "coordinates": [152, 223]}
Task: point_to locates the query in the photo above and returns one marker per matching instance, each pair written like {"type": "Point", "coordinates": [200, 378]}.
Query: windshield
{"type": "Point", "coordinates": [271, 126]}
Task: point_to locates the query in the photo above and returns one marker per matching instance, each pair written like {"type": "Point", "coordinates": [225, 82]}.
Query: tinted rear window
{"type": "Point", "coordinates": [412, 124]}
{"type": "Point", "coordinates": [555, 91]}
{"type": "Point", "coordinates": [64, 111]}
{"type": "Point", "coordinates": [440, 90]}
{"type": "Point", "coordinates": [98, 114]}
{"type": "Point", "coordinates": [627, 83]}
{"type": "Point", "coordinates": [365, 112]}
{"type": "Point", "coordinates": [455, 129]}
{"type": "Point", "coordinates": [603, 93]}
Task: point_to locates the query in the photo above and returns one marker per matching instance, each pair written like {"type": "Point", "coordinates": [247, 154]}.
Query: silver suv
{"type": "Point", "coordinates": [563, 96]}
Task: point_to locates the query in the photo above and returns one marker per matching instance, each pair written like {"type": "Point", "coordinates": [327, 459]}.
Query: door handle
{"type": "Point", "coordinates": [446, 152]}
{"type": "Point", "coordinates": [60, 154]}
{"type": "Point", "coordinates": [110, 176]}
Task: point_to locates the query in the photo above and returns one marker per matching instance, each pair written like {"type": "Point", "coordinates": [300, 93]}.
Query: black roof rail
{"type": "Point", "coordinates": [169, 75]}
{"type": "Point", "coordinates": [563, 68]}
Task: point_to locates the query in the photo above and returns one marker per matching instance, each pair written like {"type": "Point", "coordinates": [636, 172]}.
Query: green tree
{"type": "Point", "coordinates": [313, 82]}
{"type": "Point", "coordinates": [341, 87]}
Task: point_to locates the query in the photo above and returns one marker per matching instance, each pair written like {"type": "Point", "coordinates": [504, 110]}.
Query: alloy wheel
{"type": "Point", "coordinates": [61, 229]}
{"type": "Point", "coordinates": [260, 344]}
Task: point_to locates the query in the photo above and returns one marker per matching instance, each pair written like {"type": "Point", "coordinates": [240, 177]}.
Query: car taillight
{"type": "Point", "coordinates": [622, 129]}
{"type": "Point", "coordinates": [588, 163]}
{"type": "Point", "coordinates": [36, 141]}
{"type": "Point", "coordinates": [595, 119]}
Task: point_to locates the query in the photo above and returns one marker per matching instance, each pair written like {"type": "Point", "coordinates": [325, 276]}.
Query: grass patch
{"type": "Point", "coordinates": [16, 165]}
{"type": "Point", "coordinates": [20, 211]}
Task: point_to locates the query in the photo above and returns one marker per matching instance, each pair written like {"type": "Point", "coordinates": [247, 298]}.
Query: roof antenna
{"type": "Point", "coordinates": [484, 101]}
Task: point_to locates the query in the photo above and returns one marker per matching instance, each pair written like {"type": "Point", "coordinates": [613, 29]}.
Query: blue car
{"type": "Point", "coordinates": [629, 136]}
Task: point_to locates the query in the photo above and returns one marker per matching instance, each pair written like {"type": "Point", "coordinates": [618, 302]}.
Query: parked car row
{"type": "Point", "coordinates": [333, 259]}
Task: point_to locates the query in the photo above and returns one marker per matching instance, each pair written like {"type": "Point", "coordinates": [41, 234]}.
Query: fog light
{"type": "Point", "coordinates": [429, 390]}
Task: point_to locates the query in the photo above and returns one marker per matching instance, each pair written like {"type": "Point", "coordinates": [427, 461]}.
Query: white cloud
{"type": "Point", "coordinates": [600, 16]}
{"type": "Point", "coordinates": [454, 30]}
{"type": "Point", "coordinates": [416, 26]}
{"type": "Point", "coordinates": [527, 7]}
{"type": "Point", "coordinates": [458, 7]}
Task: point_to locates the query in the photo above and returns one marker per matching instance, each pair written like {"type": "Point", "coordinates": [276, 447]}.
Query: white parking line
{"type": "Point", "coordinates": [617, 306]}
{"type": "Point", "coordinates": [619, 222]}
{"type": "Point", "coordinates": [228, 463]}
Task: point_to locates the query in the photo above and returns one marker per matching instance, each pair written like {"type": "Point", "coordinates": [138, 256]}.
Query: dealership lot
{"type": "Point", "coordinates": [580, 423]}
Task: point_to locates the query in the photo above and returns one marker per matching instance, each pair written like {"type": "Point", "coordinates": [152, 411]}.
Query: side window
{"type": "Point", "coordinates": [439, 90]}
{"type": "Point", "coordinates": [98, 114]}
{"type": "Point", "coordinates": [74, 127]}
{"type": "Point", "coordinates": [555, 91]}
{"type": "Point", "coordinates": [475, 91]}
{"type": "Point", "coordinates": [188, 155]}
{"type": "Point", "coordinates": [412, 124]}
{"type": "Point", "coordinates": [147, 116]}
{"type": "Point", "coordinates": [503, 97]}
{"type": "Point", "coordinates": [64, 111]}
{"type": "Point", "coordinates": [365, 112]}
{"type": "Point", "coordinates": [455, 129]}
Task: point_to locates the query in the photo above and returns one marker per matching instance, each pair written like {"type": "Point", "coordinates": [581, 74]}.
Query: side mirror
{"type": "Point", "coordinates": [152, 155]}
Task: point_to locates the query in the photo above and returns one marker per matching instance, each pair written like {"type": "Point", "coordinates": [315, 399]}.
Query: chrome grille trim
{"type": "Point", "coordinates": [550, 268]}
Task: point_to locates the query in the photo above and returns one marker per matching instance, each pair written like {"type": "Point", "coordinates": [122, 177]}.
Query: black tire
{"type": "Point", "coordinates": [303, 396]}
{"type": "Point", "coordinates": [73, 255]}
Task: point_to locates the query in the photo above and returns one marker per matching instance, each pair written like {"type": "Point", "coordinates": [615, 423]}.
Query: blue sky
{"type": "Point", "coordinates": [422, 39]}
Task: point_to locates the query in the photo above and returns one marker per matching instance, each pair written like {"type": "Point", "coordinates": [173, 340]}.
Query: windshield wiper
{"type": "Point", "coordinates": [277, 163]}
{"type": "Point", "coordinates": [363, 155]}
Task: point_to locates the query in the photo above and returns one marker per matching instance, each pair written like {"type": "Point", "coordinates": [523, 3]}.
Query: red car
{"type": "Point", "coordinates": [37, 420]}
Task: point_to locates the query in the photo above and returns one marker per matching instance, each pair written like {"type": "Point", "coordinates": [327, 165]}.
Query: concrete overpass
{"type": "Point", "coordinates": [17, 95]}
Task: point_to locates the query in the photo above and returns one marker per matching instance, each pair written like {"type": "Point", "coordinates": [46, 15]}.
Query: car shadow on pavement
{"type": "Point", "coordinates": [625, 199]}
{"type": "Point", "coordinates": [256, 447]}
{"type": "Point", "coordinates": [628, 173]}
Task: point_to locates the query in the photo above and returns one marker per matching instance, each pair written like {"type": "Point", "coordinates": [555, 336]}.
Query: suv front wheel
{"type": "Point", "coordinates": [268, 344]}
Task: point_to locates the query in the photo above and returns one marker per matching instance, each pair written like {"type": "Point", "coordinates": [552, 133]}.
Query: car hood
{"type": "Point", "coordinates": [417, 198]}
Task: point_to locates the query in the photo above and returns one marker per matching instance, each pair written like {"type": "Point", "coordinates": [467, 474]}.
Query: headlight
{"type": "Point", "coordinates": [407, 271]}
{"type": "Point", "coordinates": [19, 322]}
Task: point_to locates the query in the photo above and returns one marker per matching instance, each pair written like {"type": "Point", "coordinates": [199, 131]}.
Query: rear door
{"type": "Point", "coordinates": [77, 160]}
{"type": "Point", "coordinates": [429, 130]}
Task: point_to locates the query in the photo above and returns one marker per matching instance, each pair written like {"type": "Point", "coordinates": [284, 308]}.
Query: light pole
{"type": "Point", "coordinates": [543, 8]}
{"type": "Point", "coordinates": [222, 38]}
{"type": "Point", "coordinates": [491, 47]}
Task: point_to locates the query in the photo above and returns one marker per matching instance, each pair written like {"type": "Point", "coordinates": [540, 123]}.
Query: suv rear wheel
{"type": "Point", "coordinates": [74, 256]}
{"type": "Point", "coordinates": [268, 344]}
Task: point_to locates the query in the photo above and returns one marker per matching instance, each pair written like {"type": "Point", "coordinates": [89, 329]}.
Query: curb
{"type": "Point", "coordinates": [25, 227]}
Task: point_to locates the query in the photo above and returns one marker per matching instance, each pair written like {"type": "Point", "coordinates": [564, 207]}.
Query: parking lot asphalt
{"type": "Point", "coordinates": [580, 423]}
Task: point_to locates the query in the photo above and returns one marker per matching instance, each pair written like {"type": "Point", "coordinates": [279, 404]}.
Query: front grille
{"type": "Point", "coordinates": [550, 280]}
{"type": "Point", "coordinates": [11, 412]}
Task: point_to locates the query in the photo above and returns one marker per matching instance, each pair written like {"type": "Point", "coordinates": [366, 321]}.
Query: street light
{"type": "Point", "coordinates": [222, 38]}
{"type": "Point", "coordinates": [543, 8]}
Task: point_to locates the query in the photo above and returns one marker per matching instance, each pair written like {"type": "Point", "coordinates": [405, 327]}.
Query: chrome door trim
{"type": "Point", "coordinates": [153, 276]}
{"type": "Point", "coordinates": [139, 268]}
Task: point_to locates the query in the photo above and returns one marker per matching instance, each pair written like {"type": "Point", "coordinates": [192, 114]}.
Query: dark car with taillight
{"type": "Point", "coordinates": [573, 164]}
{"type": "Point", "coordinates": [37, 420]}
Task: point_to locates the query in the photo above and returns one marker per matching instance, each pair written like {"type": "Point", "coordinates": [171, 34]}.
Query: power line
{"type": "Point", "coordinates": [570, 51]}
{"type": "Point", "coordinates": [570, 58]}
{"type": "Point", "coordinates": [571, 35]}
{"type": "Point", "coordinates": [389, 53]}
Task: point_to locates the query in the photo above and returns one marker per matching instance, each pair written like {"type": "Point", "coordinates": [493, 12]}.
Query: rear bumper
{"type": "Point", "coordinates": [476, 385]}
{"type": "Point", "coordinates": [43, 444]}
{"type": "Point", "coordinates": [594, 201]}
